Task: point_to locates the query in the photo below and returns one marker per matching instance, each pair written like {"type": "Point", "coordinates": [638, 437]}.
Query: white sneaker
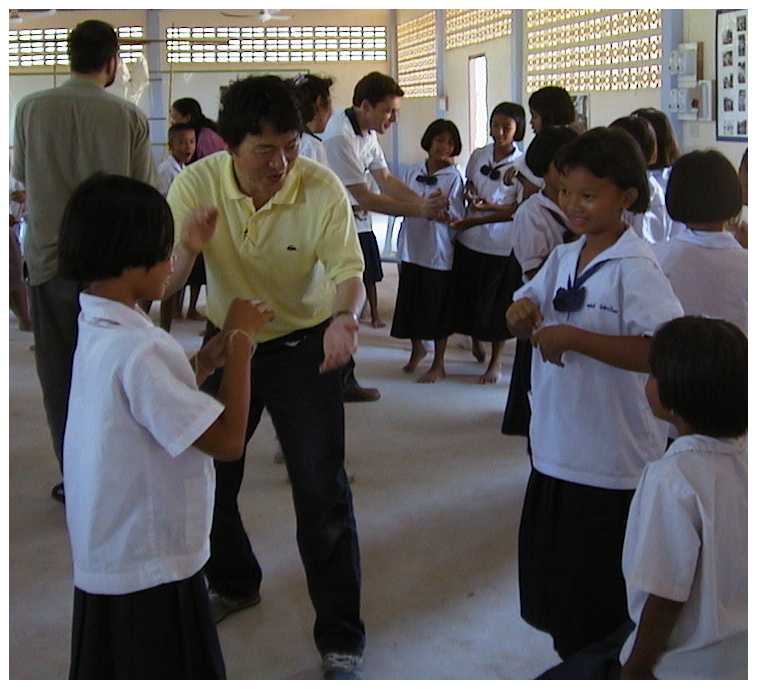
{"type": "Point", "coordinates": [341, 665]}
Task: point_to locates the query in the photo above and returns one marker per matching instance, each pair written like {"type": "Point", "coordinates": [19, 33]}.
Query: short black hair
{"type": "Point", "coordinates": [374, 88]}
{"type": "Point", "coordinates": [609, 153]}
{"type": "Point", "coordinates": [112, 223]}
{"type": "Point", "coordinates": [176, 129]}
{"type": "Point", "coordinates": [543, 149]}
{"type": "Point", "coordinates": [554, 105]}
{"type": "Point", "coordinates": [667, 147]}
{"type": "Point", "coordinates": [307, 89]}
{"type": "Point", "coordinates": [251, 103]}
{"type": "Point", "coordinates": [514, 112]}
{"type": "Point", "coordinates": [91, 44]}
{"type": "Point", "coordinates": [700, 365]}
{"type": "Point", "coordinates": [441, 126]}
{"type": "Point", "coordinates": [744, 164]}
{"type": "Point", "coordinates": [703, 187]}
{"type": "Point", "coordinates": [642, 131]}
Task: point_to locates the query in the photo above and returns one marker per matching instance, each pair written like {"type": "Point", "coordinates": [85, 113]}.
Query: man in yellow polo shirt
{"type": "Point", "coordinates": [279, 228]}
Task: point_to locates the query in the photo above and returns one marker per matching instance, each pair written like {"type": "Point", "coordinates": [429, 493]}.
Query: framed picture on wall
{"type": "Point", "coordinates": [731, 61]}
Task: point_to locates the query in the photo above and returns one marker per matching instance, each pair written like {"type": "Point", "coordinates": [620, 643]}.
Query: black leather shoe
{"type": "Point", "coordinates": [355, 393]}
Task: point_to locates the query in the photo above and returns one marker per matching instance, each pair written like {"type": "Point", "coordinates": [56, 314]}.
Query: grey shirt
{"type": "Point", "coordinates": [63, 136]}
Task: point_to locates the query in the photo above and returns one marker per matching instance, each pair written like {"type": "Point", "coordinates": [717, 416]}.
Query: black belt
{"type": "Point", "coordinates": [278, 344]}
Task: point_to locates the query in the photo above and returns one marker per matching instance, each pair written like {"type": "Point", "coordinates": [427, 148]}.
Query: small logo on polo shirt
{"type": "Point", "coordinates": [291, 248]}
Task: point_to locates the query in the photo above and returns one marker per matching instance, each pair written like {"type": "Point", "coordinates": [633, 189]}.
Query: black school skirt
{"type": "Point", "coordinates": [424, 303]}
{"type": "Point", "coordinates": [165, 632]}
{"type": "Point", "coordinates": [517, 418]}
{"type": "Point", "coordinates": [372, 256]}
{"type": "Point", "coordinates": [484, 286]}
{"type": "Point", "coordinates": [570, 547]}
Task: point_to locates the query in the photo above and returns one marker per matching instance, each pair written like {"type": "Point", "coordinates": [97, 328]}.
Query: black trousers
{"type": "Point", "coordinates": [55, 312]}
{"type": "Point", "coordinates": [307, 411]}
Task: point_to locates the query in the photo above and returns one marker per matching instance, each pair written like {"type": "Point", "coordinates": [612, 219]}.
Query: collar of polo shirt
{"type": "Point", "coordinates": [287, 195]}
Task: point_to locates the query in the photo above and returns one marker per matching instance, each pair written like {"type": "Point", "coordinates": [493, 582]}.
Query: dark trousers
{"type": "Point", "coordinates": [55, 312]}
{"type": "Point", "coordinates": [308, 414]}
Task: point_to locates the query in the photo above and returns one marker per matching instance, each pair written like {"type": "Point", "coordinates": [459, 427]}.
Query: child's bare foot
{"type": "Point", "coordinates": [478, 351]}
{"type": "Point", "coordinates": [194, 315]}
{"type": "Point", "coordinates": [25, 326]}
{"type": "Point", "coordinates": [492, 376]}
{"type": "Point", "coordinates": [433, 374]}
{"type": "Point", "coordinates": [415, 358]}
{"type": "Point", "coordinates": [377, 323]}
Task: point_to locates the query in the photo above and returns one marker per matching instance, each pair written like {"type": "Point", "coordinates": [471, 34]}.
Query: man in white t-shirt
{"type": "Point", "coordinates": [353, 151]}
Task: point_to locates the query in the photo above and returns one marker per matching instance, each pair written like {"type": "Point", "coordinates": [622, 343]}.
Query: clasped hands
{"type": "Point", "coordinates": [552, 341]}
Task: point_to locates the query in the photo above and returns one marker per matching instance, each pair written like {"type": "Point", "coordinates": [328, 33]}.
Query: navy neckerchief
{"type": "Point", "coordinates": [350, 112]}
{"type": "Point", "coordinates": [492, 170]}
{"type": "Point", "coordinates": [568, 235]}
{"type": "Point", "coordinates": [431, 180]}
{"type": "Point", "coordinates": [571, 298]}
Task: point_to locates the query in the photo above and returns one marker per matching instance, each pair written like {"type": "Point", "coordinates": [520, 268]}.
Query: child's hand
{"type": "Point", "coordinates": [552, 341]}
{"type": "Point", "coordinates": [509, 175]}
{"type": "Point", "coordinates": [199, 228]}
{"type": "Point", "coordinates": [434, 207]}
{"type": "Point", "coordinates": [248, 316]}
{"type": "Point", "coordinates": [462, 224]}
{"type": "Point", "coordinates": [469, 193]}
{"type": "Point", "coordinates": [524, 316]}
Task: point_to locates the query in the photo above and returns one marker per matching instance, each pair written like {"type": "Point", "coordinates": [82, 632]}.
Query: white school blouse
{"type": "Point", "coordinates": [353, 155]}
{"type": "Point", "coordinates": [708, 271]}
{"type": "Point", "coordinates": [686, 540]}
{"type": "Point", "coordinates": [492, 238]}
{"type": "Point", "coordinates": [654, 224]}
{"type": "Point", "coordinates": [536, 230]}
{"type": "Point", "coordinates": [426, 242]}
{"type": "Point", "coordinates": [139, 497]}
{"type": "Point", "coordinates": [312, 146]}
{"type": "Point", "coordinates": [591, 422]}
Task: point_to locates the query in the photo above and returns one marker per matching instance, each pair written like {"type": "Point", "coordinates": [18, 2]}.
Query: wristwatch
{"type": "Point", "coordinates": [346, 312]}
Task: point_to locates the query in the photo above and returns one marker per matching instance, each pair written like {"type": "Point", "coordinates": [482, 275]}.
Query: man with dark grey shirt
{"type": "Point", "coordinates": [63, 136]}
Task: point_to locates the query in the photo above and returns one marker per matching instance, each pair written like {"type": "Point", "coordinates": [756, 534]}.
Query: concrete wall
{"type": "Point", "coordinates": [203, 81]}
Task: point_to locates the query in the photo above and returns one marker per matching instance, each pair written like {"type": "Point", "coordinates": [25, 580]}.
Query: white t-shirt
{"type": "Point", "coordinates": [686, 540]}
{"type": "Point", "coordinates": [353, 155]}
{"type": "Point", "coordinates": [492, 238]}
{"type": "Point", "coordinates": [536, 230]}
{"type": "Point", "coordinates": [426, 242]}
{"type": "Point", "coordinates": [311, 146]}
{"type": "Point", "coordinates": [654, 224]}
{"type": "Point", "coordinates": [139, 496]}
{"type": "Point", "coordinates": [167, 171]}
{"type": "Point", "coordinates": [591, 422]}
{"type": "Point", "coordinates": [708, 271]}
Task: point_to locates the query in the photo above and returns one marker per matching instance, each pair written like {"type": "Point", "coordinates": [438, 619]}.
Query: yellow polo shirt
{"type": "Point", "coordinates": [290, 253]}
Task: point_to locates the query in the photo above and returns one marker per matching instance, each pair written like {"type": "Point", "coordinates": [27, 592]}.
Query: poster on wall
{"type": "Point", "coordinates": [731, 69]}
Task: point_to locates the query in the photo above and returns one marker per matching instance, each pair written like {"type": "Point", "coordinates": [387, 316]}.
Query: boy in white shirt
{"type": "Point", "coordinates": [181, 146]}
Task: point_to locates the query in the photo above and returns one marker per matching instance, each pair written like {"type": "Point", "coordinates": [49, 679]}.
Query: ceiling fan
{"type": "Point", "coordinates": [17, 16]}
{"type": "Point", "coordinates": [262, 15]}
